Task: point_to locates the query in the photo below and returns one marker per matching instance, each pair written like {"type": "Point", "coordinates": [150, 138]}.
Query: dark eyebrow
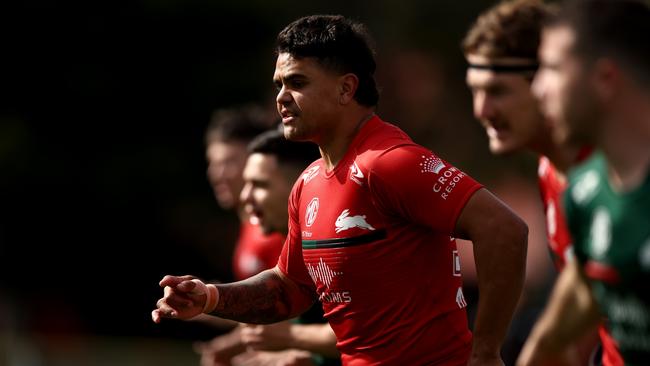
{"type": "Point", "coordinates": [290, 77]}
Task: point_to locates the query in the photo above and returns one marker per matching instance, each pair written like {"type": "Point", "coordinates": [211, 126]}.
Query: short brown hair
{"type": "Point", "coordinates": [616, 29]}
{"type": "Point", "coordinates": [511, 28]}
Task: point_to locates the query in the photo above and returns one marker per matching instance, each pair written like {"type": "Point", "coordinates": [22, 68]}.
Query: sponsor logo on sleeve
{"type": "Point", "coordinates": [431, 164]}
{"type": "Point", "coordinates": [448, 176]}
{"type": "Point", "coordinates": [447, 181]}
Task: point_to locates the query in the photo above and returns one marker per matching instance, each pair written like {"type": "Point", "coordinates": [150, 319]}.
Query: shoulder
{"type": "Point", "coordinates": [306, 177]}
{"type": "Point", "coordinates": [407, 156]}
{"type": "Point", "coordinates": [311, 172]}
{"type": "Point", "coordinates": [379, 136]}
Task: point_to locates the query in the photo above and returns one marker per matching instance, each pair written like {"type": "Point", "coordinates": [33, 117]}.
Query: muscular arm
{"type": "Point", "coordinates": [267, 297]}
{"type": "Point", "coordinates": [500, 243]}
{"type": "Point", "coordinates": [570, 313]}
{"type": "Point", "coordinates": [316, 338]}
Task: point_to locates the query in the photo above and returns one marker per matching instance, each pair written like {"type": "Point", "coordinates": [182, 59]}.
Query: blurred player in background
{"type": "Point", "coordinates": [594, 85]}
{"type": "Point", "coordinates": [501, 50]}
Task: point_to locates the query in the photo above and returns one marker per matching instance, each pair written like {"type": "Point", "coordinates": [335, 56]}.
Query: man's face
{"type": "Point", "coordinates": [266, 193]}
{"type": "Point", "coordinates": [562, 88]}
{"type": "Point", "coordinates": [505, 107]}
{"type": "Point", "coordinates": [308, 98]}
{"type": "Point", "coordinates": [225, 165]}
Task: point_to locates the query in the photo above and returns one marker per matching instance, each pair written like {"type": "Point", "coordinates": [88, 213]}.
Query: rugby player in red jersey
{"type": "Point", "coordinates": [371, 224]}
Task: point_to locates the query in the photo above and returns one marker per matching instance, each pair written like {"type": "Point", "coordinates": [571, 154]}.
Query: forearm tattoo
{"type": "Point", "coordinates": [262, 299]}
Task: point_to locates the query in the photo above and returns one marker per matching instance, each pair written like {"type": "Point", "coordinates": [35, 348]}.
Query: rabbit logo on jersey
{"type": "Point", "coordinates": [345, 222]}
{"type": "Point", "coordinates": [312, 211]}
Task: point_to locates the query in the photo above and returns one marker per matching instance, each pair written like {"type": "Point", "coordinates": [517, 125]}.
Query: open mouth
{"type": "Point", "coordinates": [287, 116]}
{"type": "Point", "coordinates": [496, 132]}
{"type": "Point", "coordinates": [254, 215]}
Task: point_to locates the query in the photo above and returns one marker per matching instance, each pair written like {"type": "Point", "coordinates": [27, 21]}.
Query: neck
{"type": "Point", "coordinates": [625, 141]}
{"type": "Point", "coordinates": [562, 157]}
{"type": "Point", "coordinates": [337, 145]}
{"type": "Point", "coordinates": [628, 160]}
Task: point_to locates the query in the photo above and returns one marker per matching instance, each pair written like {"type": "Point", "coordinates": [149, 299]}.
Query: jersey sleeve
{"type": "Point", "coordinates": [411, 182]}
{"type": "Point", "coordinates": [291, 262]}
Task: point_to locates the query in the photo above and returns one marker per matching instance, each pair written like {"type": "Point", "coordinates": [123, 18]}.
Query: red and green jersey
{"type": "Point", "coordinates": [552, 186]}
{"type": "Point", "coordinates": [611, 232]}
{"type": "Point", "coordinates": [373, 237]}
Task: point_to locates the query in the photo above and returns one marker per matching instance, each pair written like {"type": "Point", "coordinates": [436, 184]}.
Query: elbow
{"type": "Point", "coordinates": [517, 235]}
{"type": "Point", "coordinates": [512, 234]}
{"type": "Point", "coordinates": [520, 229]}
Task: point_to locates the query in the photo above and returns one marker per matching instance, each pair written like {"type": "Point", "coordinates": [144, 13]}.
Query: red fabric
{"type": "Point", "coordinates": [255, 251]}
{"type": "Point", "coordinates": [378, 250]}
{"type": "Point", "coordinates": [552, 186]}
{"type": "Point", "coordinates": [611, 356]}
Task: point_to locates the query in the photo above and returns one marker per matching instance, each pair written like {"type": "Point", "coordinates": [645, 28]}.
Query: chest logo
{"type": "Point", "coordinates": [312, 211]}
{"type": "Point", "coordinates": [601, 233]}
{"type": "Point", "coordinates": [585, 189]}
{"type": "Point", "coordinates": [310, 174]}
{"type": "Point", "coordinates": [356, 175]}
{"type": "Point", "coordinates": [322, 272]}
{"type": "Point", "coordinates": [345, 222]}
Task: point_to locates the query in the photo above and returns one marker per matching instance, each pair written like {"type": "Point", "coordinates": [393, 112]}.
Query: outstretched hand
{"type": "Point", "coordinates": [184, 297]}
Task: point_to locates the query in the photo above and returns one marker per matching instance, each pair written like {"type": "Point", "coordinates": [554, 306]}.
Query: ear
{"type": "Point", "coordinates": [606, 78]}
{"type": "Point", "coordinates": [347, 88]}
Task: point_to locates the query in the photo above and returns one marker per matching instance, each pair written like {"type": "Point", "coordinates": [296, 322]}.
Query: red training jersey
{"type": "Point", "coordinates": [373, 238]}
{"type": "Point", "coordinates": [255, 251]}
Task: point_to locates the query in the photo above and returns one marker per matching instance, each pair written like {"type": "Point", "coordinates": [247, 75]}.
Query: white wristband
{"type": "Point", "coordinates": [211, 292]}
